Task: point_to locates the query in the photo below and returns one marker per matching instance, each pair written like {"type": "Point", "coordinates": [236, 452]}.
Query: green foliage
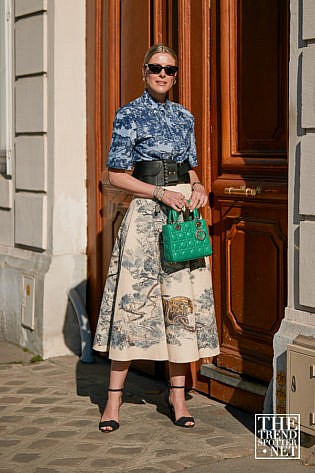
{"type": "Point", "coordinates": [36, 359]}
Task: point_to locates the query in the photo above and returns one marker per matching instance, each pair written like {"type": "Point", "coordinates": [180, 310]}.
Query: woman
{"type": "Point", "coordinates": [152, 309]}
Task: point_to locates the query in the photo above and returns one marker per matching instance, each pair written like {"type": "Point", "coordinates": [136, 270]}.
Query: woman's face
{"type": "Point", "coordinates": [159, 84]}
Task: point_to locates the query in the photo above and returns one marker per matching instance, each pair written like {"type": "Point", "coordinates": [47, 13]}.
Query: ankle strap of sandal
{"type": "Point", "coordinates": [177, 387]}
{"type": "Point", "coordinates": [115, 389]}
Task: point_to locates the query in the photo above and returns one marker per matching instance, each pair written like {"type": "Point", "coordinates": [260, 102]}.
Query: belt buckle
{"type": "Point", "coordinates": [171, 174]}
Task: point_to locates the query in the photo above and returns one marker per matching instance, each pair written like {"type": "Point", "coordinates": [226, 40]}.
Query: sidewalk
{"type": "Point", "coordinates": [49, 424]}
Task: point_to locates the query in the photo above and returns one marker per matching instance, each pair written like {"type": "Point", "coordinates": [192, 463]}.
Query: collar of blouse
{"type": "Point", "coordinates": [150, 102]}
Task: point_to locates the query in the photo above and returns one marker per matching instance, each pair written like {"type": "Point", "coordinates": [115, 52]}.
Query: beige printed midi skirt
{"type": "Point", "coordinates": [152, 309]}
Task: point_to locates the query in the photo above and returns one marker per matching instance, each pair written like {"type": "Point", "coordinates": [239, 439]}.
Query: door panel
{"type": "Point", "coordinates": [259, 44]}
{"type": "Point", "coordinates": [253, 68]}
{"type": "Point", "coordinates": [253, 239]}
{"type": "Point", "coordinates": [135, 37]}
{"type": "Point", "coordinates": [249, 188]}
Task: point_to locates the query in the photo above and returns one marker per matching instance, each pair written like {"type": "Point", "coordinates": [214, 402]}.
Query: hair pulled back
{"type": "Point", "coordinates": [159, 48]}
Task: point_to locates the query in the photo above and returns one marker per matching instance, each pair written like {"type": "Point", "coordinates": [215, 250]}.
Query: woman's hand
{"type": "Point", "coordinates": [198, 197]}
{"type": "Point", "coordinates": [176, 200]}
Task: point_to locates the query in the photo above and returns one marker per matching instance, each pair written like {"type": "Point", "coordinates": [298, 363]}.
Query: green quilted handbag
{"type": "Point", "coordinates": [186, 240]}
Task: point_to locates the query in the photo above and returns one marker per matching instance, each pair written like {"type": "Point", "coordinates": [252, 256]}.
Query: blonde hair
{"type": "Point", "coordinates": [159, 48]}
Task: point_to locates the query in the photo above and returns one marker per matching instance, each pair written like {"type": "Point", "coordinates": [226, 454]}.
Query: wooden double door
{"type": "Point", "coordinates": [233, 74]}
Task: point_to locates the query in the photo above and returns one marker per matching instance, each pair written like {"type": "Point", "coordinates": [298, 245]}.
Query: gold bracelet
{"type": "Point", "coordinates": [157, 196]}
{"type": "Point", "coordinates": [160, 193]}
{"type": "Point", "coordinates": [193, 186]}
{"type": "Point", "coordinates": [164, 190]}
{"type": "Point", "coordinates": [155, 192]}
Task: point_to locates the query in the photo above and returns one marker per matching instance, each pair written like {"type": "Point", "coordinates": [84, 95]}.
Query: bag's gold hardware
{"type": "Point", "coordinates": [293, 384]}
{"type": "Point", "coordinates": [200, 235]}
{"type": "Point", "coordinates": [312, 418]}
{"type": "Point", "coordinates": [243, 190]}
{"type": "Point", "coordinates": [312, 371]}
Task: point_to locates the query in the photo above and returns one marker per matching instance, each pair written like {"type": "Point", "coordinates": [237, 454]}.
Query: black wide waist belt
{"type": "Point", "coordinates": [162, 172]}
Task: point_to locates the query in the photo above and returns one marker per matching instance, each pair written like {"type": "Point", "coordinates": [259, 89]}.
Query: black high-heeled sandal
{"type": "Point", "coordinates": [109, 423]}
{"type": "Point", "coordinates": [182, 421]}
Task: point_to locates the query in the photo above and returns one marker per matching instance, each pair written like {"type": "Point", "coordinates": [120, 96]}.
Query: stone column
{"type": "Point", "coordinates": [300, 312]}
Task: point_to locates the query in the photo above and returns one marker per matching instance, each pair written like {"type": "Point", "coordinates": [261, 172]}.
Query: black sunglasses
{"type": "Point", "coordinates": [156, 69]}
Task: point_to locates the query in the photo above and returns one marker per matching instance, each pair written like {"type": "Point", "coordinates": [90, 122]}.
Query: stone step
{"type": "Point", "coordinates": [233, 379]}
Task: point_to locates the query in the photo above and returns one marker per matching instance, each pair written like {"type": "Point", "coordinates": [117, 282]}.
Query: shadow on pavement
{"type": "Point", "coordinates": [92, 380]}
{"type": "Point", "coordinates": [245, 418]}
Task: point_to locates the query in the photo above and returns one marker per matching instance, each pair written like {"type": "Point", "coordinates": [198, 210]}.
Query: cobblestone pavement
{"type": "Point", "coordinates": [49, 413]}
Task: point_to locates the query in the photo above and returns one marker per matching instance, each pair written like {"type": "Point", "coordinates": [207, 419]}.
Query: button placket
{"type": "Point", "coordinates": [171, 134]}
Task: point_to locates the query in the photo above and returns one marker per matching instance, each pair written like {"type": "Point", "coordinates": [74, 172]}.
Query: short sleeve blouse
{"type": "Point", "coordinates": [147, 130]}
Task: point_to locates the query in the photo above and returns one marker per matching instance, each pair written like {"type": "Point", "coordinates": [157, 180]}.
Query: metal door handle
{"type": "Point", "coordinates": [243, 190]}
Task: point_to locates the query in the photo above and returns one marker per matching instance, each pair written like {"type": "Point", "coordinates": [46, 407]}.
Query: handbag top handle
{"type": "Point", "coordinates": [173, 215]}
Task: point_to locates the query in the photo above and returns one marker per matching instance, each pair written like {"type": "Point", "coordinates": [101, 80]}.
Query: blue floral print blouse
{"type": "Point", "coordinates": [146, 130]}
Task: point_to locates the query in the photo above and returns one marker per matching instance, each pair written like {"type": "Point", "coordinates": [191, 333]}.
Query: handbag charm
{"type": "Point", "coordinates": [185, 240]}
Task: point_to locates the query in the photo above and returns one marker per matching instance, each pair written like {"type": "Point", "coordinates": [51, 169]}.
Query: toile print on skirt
{"type": "Point", "coordinates": [152, 309]}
